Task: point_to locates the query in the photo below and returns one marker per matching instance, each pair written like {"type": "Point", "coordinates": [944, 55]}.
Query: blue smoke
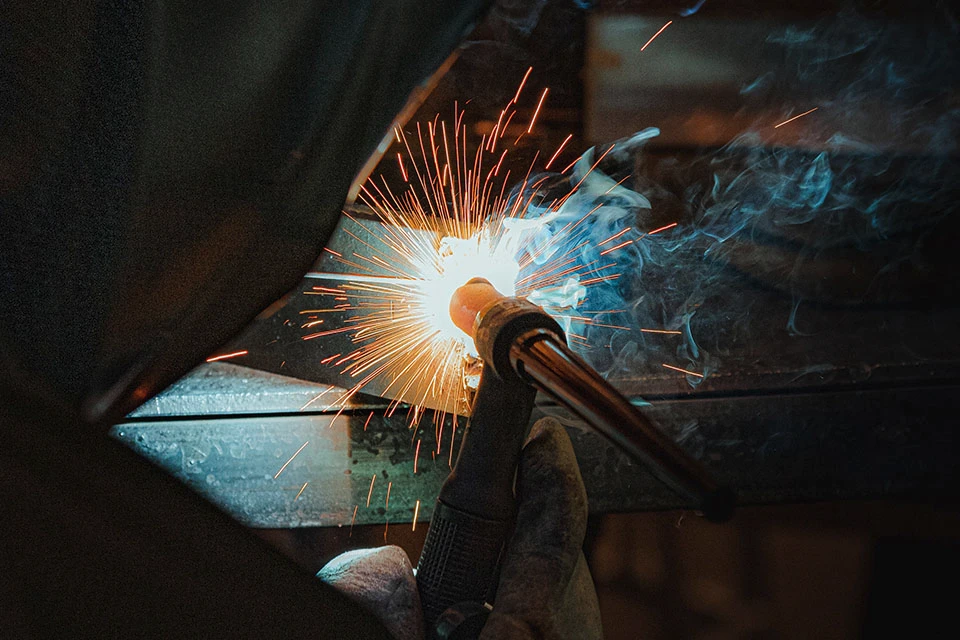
{"type": "Point", "coordinates": [689, 11]}
{"type": "Point", "coordinates": [837, 217]}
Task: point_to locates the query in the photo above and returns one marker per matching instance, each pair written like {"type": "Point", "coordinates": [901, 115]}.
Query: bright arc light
{"type": "Point", "coordinates": [461, 260]}
{"type": "Point", "coordinates": [453, 219]}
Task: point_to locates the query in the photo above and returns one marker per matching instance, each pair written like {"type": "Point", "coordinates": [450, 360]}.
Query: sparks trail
{"type": "Point", "coordinates": [462, 211]}
{"type": "Point", "coordinates": [317, 397]}
{"type": "Point", "coordinates": [664, 228]}
{"type": "Point", "coordinates": [520, 87]}
{"type": "Point", "coordinates": [789, 120]}
{"type": "Point", "coordinates": [614, 236]}
{"type": "Point", "coordinates": [689, 373]}
{"type": "Point", "coordinates": [615, 247]}
{"type": "Point", "coordinates": [654, 37]}
{"type": "Point", "coordinates": [370, 492]}
{"type": "Point", "coordinates": [301, 491]}
{"type": "Point", "coordinates": [226, 356]}
{"type": "Point", "coordinates": [557, 152]}
{"type": "Point", "coordinates": [537, 112]}
{"type": "Point", "coordinates": [302, 447]}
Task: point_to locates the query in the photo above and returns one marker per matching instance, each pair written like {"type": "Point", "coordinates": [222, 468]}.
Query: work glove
{"type": "Point", "coordinates": [545, 588]}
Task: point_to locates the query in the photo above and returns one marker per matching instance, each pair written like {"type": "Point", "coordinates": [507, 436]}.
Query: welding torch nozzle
{"type": "Point", "coordinates": [517, 338]}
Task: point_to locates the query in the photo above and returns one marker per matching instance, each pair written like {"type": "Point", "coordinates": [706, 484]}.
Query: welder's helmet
{"type": "Point", "coordinates": [169, 169]}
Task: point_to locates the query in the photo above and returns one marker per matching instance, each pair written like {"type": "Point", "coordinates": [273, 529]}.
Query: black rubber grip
{"type": "Point", "coordinates": [459, 560]}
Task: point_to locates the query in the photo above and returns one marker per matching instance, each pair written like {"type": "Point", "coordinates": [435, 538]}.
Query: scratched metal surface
{"type": "Point", "coordinates": [225, 388]}
{"type": "Point", "coordinates": [872, 442]}
{"type": "Point", "coordinates": [236, 463]}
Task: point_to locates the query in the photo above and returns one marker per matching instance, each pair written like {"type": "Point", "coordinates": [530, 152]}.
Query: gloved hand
{"type": "Point", "coordinates": [545, 588]}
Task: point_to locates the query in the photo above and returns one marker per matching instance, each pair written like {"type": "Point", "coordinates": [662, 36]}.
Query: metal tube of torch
{"type": "Point", "coordinates": [544, 361]}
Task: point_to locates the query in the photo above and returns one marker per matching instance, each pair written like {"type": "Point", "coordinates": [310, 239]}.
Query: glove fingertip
{"type": "Point", "coordinates": [549, 439]}
{"type": "Point", "coordinates": [381, 580]}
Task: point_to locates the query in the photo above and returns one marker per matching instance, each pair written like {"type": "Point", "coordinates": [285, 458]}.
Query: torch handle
{"type": "Point", "coordinates": [459, 560]}
{"type": "Point", "coordinates": [475, 511]}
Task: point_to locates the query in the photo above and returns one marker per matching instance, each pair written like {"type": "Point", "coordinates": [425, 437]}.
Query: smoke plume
{"type": "Point", "coordinates": [857, 214]}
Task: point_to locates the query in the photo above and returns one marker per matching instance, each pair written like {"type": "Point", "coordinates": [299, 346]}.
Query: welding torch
{"type": "Point", "coordinates": [524, 350]}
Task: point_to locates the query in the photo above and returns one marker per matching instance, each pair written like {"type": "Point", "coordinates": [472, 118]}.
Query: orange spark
{"type": "Point", "coordinates": [543, 97]}
{"type": "Point", "coordinates": [607, 326]}
{"type": "Point", "coordinates": [316, 397]}
{"type": "Point", "coordinates": [619, 246]}
{"type": "Point", "coordinates": [368, 421]}
{"type": "Point", "coordinates": [667, 331]}
{"type": "Point", "coordinates": [386, 504]}
{"type": "Point", "coordinates": [506, 124]}
{"type": "Point", "coordinates": [656, 34]}
{"type": "Point", "coordinates": [614, 237]}
{"type": "Point", "coordinates": [416, 457]}
{"type": "Point", "coordinates": [228, 355]}
{"type": "Point", "coordinates": [599, 279]}
{"type": "Point", "coordinates": [416, 512]}
{"type": "Point", "coordinates": [353, 519]}
{"type": "Point", "coordinates": [496, 169]}
{"type": "Point", "coordinates": [557, 152]}
{"type": "Point", "coordinates": [669, 226]}
{"type": "Point", "coordinates": [301, 490]}
{"type": "Point", "coordinates": [322, 334]}
{"type": "Point", "coordinates": [692, 373]}
{"type": "Point", "coordinates": [453, 435]}
{"type": "Point", "coordinates": [370, 492]}
{"type": "Point", "coordinates": [291, 459]}
{"type": "Point", "coordinates": [570, 166]}
{"type": "Point", "coordinates": [520, 88]}
{"type": "Point", "coordinates": [789, 120]}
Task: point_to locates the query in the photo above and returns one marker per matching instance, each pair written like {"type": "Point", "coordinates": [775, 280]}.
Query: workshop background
{"type": "Point", "coordinates": [832, 403]}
